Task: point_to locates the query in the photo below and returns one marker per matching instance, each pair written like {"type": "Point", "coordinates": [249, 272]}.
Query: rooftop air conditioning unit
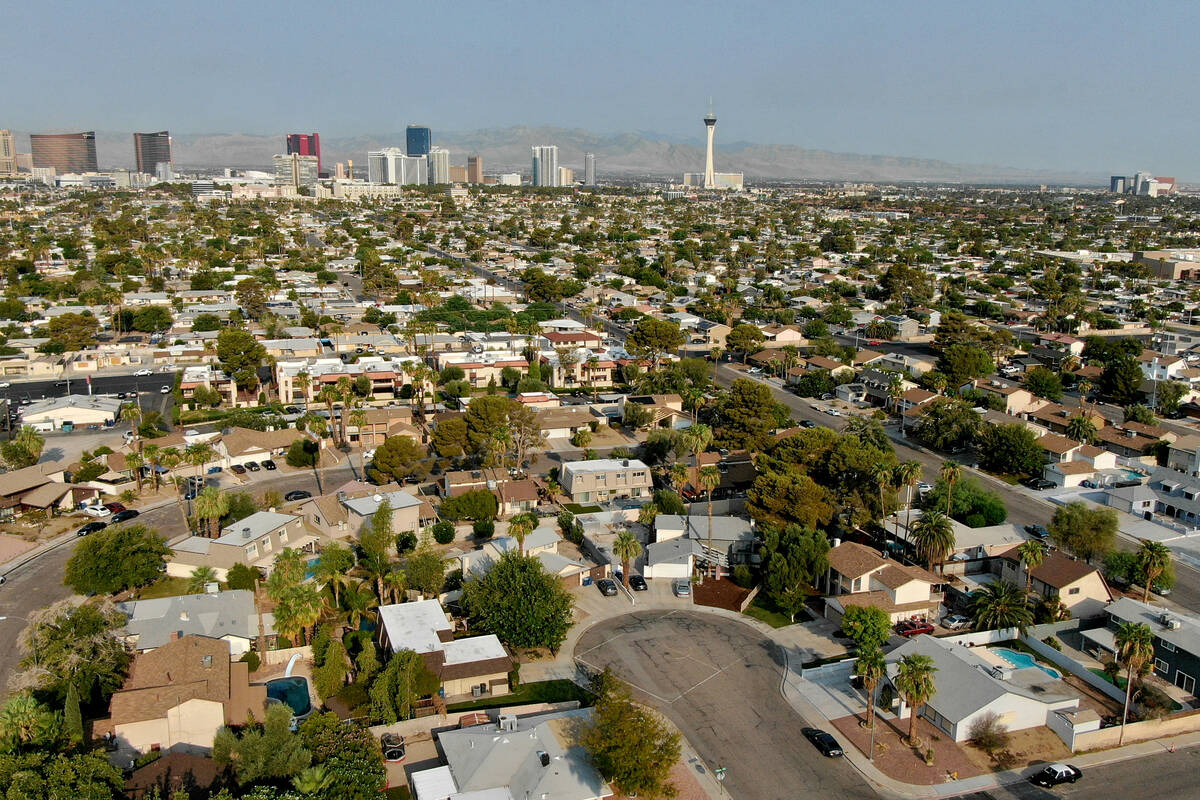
{"type": "Point", "coordinates": [507, 722]}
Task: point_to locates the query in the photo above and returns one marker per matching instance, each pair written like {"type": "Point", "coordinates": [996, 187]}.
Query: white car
{"type": "Point", "coordinates": [141, 373]}
{"type": "Point", "coordinates": [5, 384]}
{"type": "Point", "coordinates": [833, 412]}
{"type": "Point", "coordinates": [97, 511]}
{"type": "Point", "coordinates": [956, 622]}
{"type": "Point", "coordinates": [165, 390]}
{"type": "Point", "coordinates": [923, 487]}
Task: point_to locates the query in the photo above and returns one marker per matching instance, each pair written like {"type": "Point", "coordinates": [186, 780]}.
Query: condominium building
{"type": "Point", "coordinates": [566, 176]}
{"type": "Point", "coordinates": [296, 170]}
{"type": "Point", "coordinates": [150, 150]}
{"type": "Point", "coordinates": [65, 152]}
{"type": "Point", "coordinates": [545, 165]}
{"type": "Point", "coordinates": [474, 169]}
{"type": "Point", "coordinates": [8, 154]}
{"type": "Point", "coordinates": [418, 140]}
{"type": "Point", "coordinates": [391, 165]}
{"type": "Point", "coordinates": [439, 165]}
{"type": "Point", "coordinates": [589, 169]}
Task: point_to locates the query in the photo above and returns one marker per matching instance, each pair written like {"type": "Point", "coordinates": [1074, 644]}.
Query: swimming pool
{"type": "Point", "coordinates": [1131, 475]}
{"type": "Point", "coordinates": [294, 692]}
{"type": "Point", "coordinates": [1022, 660]}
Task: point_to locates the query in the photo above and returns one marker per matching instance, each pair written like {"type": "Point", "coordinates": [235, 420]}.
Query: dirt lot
{"type": "Point", "coordinates": [1026, 748]}
{"type": "Point", "coordinates": [720, 593]}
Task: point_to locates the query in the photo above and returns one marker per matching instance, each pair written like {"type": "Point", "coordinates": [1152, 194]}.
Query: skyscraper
{"type": "Point", "coordinates": [545, 165]}
{"type": "Point", "coordinates": [390, 165]}
{"type": "Point", "coordinates": [439, 165]}
{"type": "Point", "coordinates": [474, 169]}
{"type": "Point", "coordinates": [305, 144]}
{"type": "Point", "coordinates": [295, 170]}
{"type": "Point", "coordinates": [710, 126]}
{"type": "Point", "coordinates": [8, 153]}
{"type": "Point", "coordinates": [589, 169]}
{"type": "Point", "coordinates": [418, 140]}
{"type": "Point", "coordinates": [65, 152]}
{"type": "Point", "coordinates": [150, 150]}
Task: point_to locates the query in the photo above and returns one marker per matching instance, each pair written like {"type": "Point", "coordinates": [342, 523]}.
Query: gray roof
{"type": "Point", "coordinates": [724, 529]}
{"type": "Point", "coordinates": [673, 551]}
{"type": "Point", "coordinates": [257, 524]}
{"type": "Point", "coordinates": [366, 506]}
{"type": "Point", "coordinates": [109, 405]}
{"type": "Point", "coordinates": [484, 757]}
{"type": "Point", "coordinates": [216, 614]}
{"type": "Point", "coordinates": [1186, 638]}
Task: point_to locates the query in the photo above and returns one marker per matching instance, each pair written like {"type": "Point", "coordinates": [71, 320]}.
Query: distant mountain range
{"type": "Point", "coordinates": [646, 154]}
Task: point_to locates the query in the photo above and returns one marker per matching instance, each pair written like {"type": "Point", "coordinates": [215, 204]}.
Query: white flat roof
{"type": "Point", "coordinates": [473, 648]}
{"type": "Point", "coordinates": [414, 626]}
{"type": "Point", "coordinates": [604, 465]}
{"type": "Point", "coordinates": [433, 784]}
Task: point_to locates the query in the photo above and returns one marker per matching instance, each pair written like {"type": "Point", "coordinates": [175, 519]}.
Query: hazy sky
{"type": "Point", "coordinates": [1092, 86]}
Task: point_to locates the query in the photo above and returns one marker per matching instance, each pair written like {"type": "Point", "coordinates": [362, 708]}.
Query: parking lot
{"type": "Point", "coordinates": [719, 681]}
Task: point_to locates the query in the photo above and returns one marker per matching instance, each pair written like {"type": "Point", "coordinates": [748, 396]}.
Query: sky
{"type": "Point", "coordinates": [1097, 87]}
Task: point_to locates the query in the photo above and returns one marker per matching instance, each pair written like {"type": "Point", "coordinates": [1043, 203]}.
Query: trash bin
{"type": "Point", "coordinates": [587, 581]}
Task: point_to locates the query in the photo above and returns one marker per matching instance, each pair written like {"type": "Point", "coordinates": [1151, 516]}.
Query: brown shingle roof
{"type": "Point", "coordinates": [854, 560]}
{"type": "Point", "coordinates": [1057, 570]}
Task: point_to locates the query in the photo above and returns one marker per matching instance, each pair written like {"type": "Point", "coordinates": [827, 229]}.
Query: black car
{"type": "Point", "coordinates": [1037, 530]}
{"type": "Point", "coordinates": [122, 516]}
{"type": "Point", "coordinates": [268, 464]}
{"type": "Point", "coordinates": [298, 494]}
{"type": "Point", "coordinates": [1038, 483]}
{"type": "Point", "coordinates": [823, 742]}
{"type": "Point", "coordinates": [91, 527]}
{"type": "Point", "coordinates": [292, 410]}
{"type": "Point", "coordinates": [1054, 774]}
{"type": "Point", "coordinates": [252, 466]}
{"type": "Point", "coordinates": [807, 423]}
{"type": "Point", "coordinates": [607, 587]}
{"type": "Point", "coordinates": [637, 583]}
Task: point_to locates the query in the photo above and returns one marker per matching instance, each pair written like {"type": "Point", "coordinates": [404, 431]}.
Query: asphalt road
{"type": "Point", "coordinates": [101, 384]}
{"type": "Point", "coordinates": [1169, 776]}
{"type": "Point", "coordinates": [718, 681]}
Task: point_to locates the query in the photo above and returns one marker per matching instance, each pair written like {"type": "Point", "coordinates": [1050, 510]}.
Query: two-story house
{"type": "Point", "coordinates": [1079, 585]}
{"type": "Point", "coordinates": [603, 479]}
{"type": "Point", "coordinates": [1176, 639]}
{"type": "Point", "coordinates": [256, 540]}
{"type": "Point", "coordinates": [859, 576]}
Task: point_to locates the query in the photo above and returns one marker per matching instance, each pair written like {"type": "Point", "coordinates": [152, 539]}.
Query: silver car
{"type": "Point", "coordinates": [682, 587]}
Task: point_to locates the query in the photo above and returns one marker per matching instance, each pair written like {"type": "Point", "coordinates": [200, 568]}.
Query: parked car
{"type": "Point", "coordinates": [298, 494]}
{"type": "Point", "coordinates": [924, 488]}
{"type": "Point", "coordinates": [268, 464]}
{"type": "Point", "coordinates": [913, 627]}
{"type": "Point", "coordinates": [1160, 590]}
{"type": "Point", "coordinates": [5, 384]}
{"type": "Point", "coordinates": [607, 587]}
{"type": "Point", "coordinates": [1037, 484]}
{"type": "Point", "coordinates": [165, 390]}
{"type": "Point", "coordinates": [142, 373]}
{"type": "Point", "coordinates": [956, 622]}
{"type": "Point", "coordinates": [252, 466]}
{"type": "Point", "coordinates": [392, 745]}
{"type": "Point", "coordinates": [115, 508]}
{"type": "Point", "coordinates": [292, 410]}
{"type": "Point", "coordinates": [213, 470]}
{"type": "Point", "coordinates": [125, 516]}
{"type": "Point", "coordinates": [1054, 774]}
{"type": "Point", "coordinates": [682, 587]}
{"type": "Point", "coordinates": [807, 423]}
{"type": "Point", "coordinates": [637, 583]}
{"type": "Point", "coordinates": [237, 469]}
{"type": "Point", "coordinates": [97, 511]}
{"type": "Point", "coordinates": [833, 412]}
{"type": "Point", "coordinates": [91, 527]}
{"type": "Point", "coordinates": [1038, 531]}
{"type": "Point", "coordinates": [823, 741]}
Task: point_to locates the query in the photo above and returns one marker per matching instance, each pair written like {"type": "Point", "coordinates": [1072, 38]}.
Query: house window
{"type": "Point", "coordinates": [267, 545]}
{"type": "Point", "coordinates": [252, 551]}
{"type": "Point", "coordinates": [1162, 666]}
{"type": "Point", "coordinates": [1073, 591]}
{"type": "Point", "coordinates": [283, 534]}
{"type": "Point", "coordinates": [1165, 645]}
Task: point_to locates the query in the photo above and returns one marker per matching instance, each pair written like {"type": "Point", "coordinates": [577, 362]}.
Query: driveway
{"type": "Point", "coordinates": [719, 681]}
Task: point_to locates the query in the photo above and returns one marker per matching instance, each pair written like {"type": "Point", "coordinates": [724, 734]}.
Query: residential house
{"type": "Point", "coordinates": [230, 615]}
{"type": "Point", "coordinates": [256, 540]}
{"type": "Point", "coordinates": [859, 575]}
{"type": "Point", "coordinates": [1183, 455]}
{"type": "Point", "coordinates": [208, 377]}
{"type": "Point", "coordinates": [1176, 639]}
{"type": "Point", "coordinates": [1132, 440]}
{"type": "Point", "coordinates": [604, 479]}
{"type": "Point", "coordinates": [179, 695]}
{"type": "Point", "coordinates": [1167, 495]}
{"type": "Point", "coordinates": [1086, 463]}
{"type": "Point", "coordinates": [541, 543]}
{"type": "Point", "coordinates": [666, 410]}
{"type": "Point", "coordinates": [40, 488]}
{"type": "Point", "coordinates": [1078, 585]}
{"type": "Point", "coordinates": [243, 445]}
{"type": "Point", "coordinates": [409, 513]}
{"type": "Point", "coordinates": [562, 423]}
{"type": "Point", "coordinates": [471, 666]}
{"type": "Point", "coordinates": [733, 538]}
{"type": "Point", "coordinates": [71, 411]}
{"type": "Point", "coordinates": [1056, 418]}
{"type": "Point", "coordinates": [1015, 399]}
{"type": "Point", "coordinates": [973, 682]}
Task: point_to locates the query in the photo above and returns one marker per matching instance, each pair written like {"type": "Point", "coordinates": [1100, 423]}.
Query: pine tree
{"type": "Point", "coordinates": [72, 717]}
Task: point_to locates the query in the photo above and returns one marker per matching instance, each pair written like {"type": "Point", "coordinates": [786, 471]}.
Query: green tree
{"type": "Point", "coordinates": [1140, 413]}
{"type": "Point", "coordinates": [399, 457]}
{"type": "Point", "coordinates": [793, 558]}
{"type": "Point", "coordinates": [349, 753]}
{"type": "Point", "coordinates": [999, 605]}
{"type": "Point", "coordinates": [66, 644]}
{"type": "Point", "coordinates": [627, 548]}
{"type": "Point", "coordinates": [303, 453]}
{"type": "Point", "coordinates": [270, 752]}
{"type": "Point", "coordinates": [1121, 380]}
{"type": "Point", "coordinates": [47, 775]}
{"type": "Point", "coordinates": [242, 576]}
{"type": "Point", "coordinates": [745, 339]}
{"type": "Point", "coordinates": [1032, 553]}
{"type": "Point", "coordinates": [631, 746]}
{"type": "Point", "coordinates": [946, 424]}
{"type": "Point", "coordinates": [1135, 649]}
{"type": "Point", "coordinates": [746, 415]}
{"type": "Point", "coordinates": [73, 331]}
{"type": "Point", "coordinates": [426, 571]}
{"type": "Point", "coordinates": [449, 439]}
{"type": "Point", "coordinates": [867, 626]}
{"type": "Point", "coordinates": [961, 363]}
{"type": "Point", "coordinates": [24, 450]}
{"type": "Point", "coordinates": [1044, 383]}
{"type": "Point", "coordinates": [654, 339]}
{"type": "Point", "coordinates": [870, 668]}
{"type": "Point", "coordinates": [933, 536]}
{"type": "Point", "coordinates": [115, 559]}
{"type": "Point", "coordinates": [333, 568]}
{"type": "Point", "coordinates": [26, 724]}
{"type": "Point", "coordinates": [1154, 559]}
{"type": "Point", "coordinates": [781, 499]}
{"type": "Point", "coordinates": [1085, 531]}
{"type": "Point", "coordinates": [1010, 449]}
{"type": "Point", "coordinates": [519, 602]}
{"type": "Point", "coordinates": [398, 687]}
{"type": "Point", "coordinates": [1081, 428]}
{"type": "Point", "coordinates": [970, 503]}
{"type": "Point", "coordinates": [152, 319]}
{"type": "Point", "coordinates": [201, 577]}
{"type": "Point", "coordinates": [473, 505]}
{"type": "Point", "coordinates": [240, 355]}
{"type": "Point", "coordinates": [1168, 394]}
{"type": "Point", "coordinates": [914, 681]}
{"type": "Point", "coordinates": [251, 297]}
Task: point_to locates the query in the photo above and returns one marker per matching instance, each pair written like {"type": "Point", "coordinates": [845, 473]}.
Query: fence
{"type": "Point", "coordinates": [285, 655]}
{"type": "Point", "coordinates": [982, 637]}
{"type": "Point", "coordinates": [749, 598]}
{"type": "Point", "coordinates": [1072, 666]}
{"type": "Point", "coordinates": [1185, 722]}
{"type": "Point", "coordinates": [734, 505]}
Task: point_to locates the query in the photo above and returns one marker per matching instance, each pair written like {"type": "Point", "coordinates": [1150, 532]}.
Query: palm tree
{"type": "Point", "coordinates": [950, 473]}
{"type": "Point", "coordinates": [697, 439]}
{"type": "Point", "coordinates": [520, 526]}
{"type": "Point", "coordinates": [152, 453]}
{"type": "Point", "coordinates": [312, 780]}
{"type": "Point", "coordinates": [1085, 387]}
{"type": "Point", "coordinates": [881, 476]}
{"type": "Point", "coordinates": [934, 537]}
{"type": "Point", "coordinates": [326, 572]}
{"type": "Point", "coordinates": [1135, 649]}
{"type": "Point", "coordinates": [396, 582]}
{"type": "Point", "coordinates": [345, 390]}
{"type": "Point", "coordinates": [25, 721]}
{"type": "Point", "coordinates": [200, 577]}
{"type": "Point", "coordinates": [199, 454]}
{"type": "Point", "coordinates": [914, 681]}
{"type": "Point", "coordinates": [359, 604]}
{"type": "Point", "coordinates": [211, 505]}
{"type": "Point", "coordinates": [135, 462]}
{"type": "Point", "coordinates": [708, 479]}
{"type": "Point", "coordinates": [937, 382]}
{"type": "Point", "coordinates": [133, 415]}
{"type": "Point", "coordinates": [908, 473]}
{"type": "Point", "coordinates": [1001, 605]}
{"type": "Point", "coordinates": [358, 418]}
{"type": "Point", "coordinates": [303, 381]}
{"type": "Point", "coordinates": [896, 393]}
{"type": "Point", "coordinates": [307, 605]}
{"type": "Point", "coordinates": [1032, 554]}
{"type": "Point", "coordinates": [1081, 428]}
{"type": "Point", "coordinates": [1154, 559]}
{"type": "Point", "coordinates": [329, 395]}
{"type": "Point", "coordinates": [627, 548]}
{"type": "Point", "coordinates": [679, 476]}
{"type": "Point", "coordinates": [870, 668]}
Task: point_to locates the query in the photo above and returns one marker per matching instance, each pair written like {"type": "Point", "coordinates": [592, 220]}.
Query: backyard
{"type": "Point", "coordinates": [554, 691]}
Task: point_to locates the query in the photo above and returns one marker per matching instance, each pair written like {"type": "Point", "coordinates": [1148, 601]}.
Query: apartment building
{"type": "Point", "coordinates": [604, 479]}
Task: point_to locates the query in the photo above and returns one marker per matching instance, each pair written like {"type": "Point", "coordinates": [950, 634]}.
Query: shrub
{"type": "Point", "coordinates": [742, 577]}
{"type": "Point", "coordinates": [1050, 641]}
{"type": "Point", "coordinates": [251, 658]}
{"type": "Point", "coordinates": [988, 733]}
{"type": "Point", "coordinates": [406, 542]}
{"type": "Point", "coordinates": [484, 529]}
{"type": "Point", "coordinates": [514, 677]}
{"type": "Point", "coordinates": [443, 532]}
{"type": "Point", "coordinates": [354, 695]}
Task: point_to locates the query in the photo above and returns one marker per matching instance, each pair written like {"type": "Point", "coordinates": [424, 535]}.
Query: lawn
{"type": "Point", "coordinates": [556, 691]}
{"type": "Point", "coordinates": [1120, 684]}
{"type": "Point", "coordinates": [164, 587]}
{"type": "Point", "coordinates": [575, 508]}
{"type": "Point", "coordinates": [764, 610]}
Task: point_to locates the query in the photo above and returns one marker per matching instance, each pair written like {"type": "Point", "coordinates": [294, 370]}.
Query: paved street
{"type": "Point", "coordinates": [718, 681]}
{"type": "Point", "coordinates": [101, 384]}
{"type": "Point", "coordinates": [1169, 776]}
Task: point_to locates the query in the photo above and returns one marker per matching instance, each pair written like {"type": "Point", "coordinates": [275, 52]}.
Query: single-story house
{"type": "Point", "coordinates": [231, 616]}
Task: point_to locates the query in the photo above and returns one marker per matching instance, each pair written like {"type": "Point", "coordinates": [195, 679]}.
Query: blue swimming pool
{"type": "Point", "coordinates": [1131, 475]}
{"type": "Point", "coordinates": [294, 692]}
{"type": "Point", "coordinates": [1022, 660]}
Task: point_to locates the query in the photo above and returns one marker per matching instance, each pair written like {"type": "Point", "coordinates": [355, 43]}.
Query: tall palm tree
{"type": "Point", "coordinates": [1032, 554]}
{"type": "Point", "coordinates": [211, 505]}
{"type": "Point", "coordinates": [345, 390]}
{"type": "Point", "coordinates": [697, 439]}
{"type": "Point", "coordinates": [1135, 649]}
{"type": "Point", "coordinates": [908, 473]}
{"type": "Point", "coordinates": [679, 476]}
{"type": "Point", "coordinates": [1154, 559]}
{"type": "Point", "coordinates": [306, 602]}
{"type": "Point", "coordinates": [870, 668]}
{"type": "Point", "coordinates": [951, 471]}
{"type": "Point", "coordinates": [303, 381]}
{"type": "Point", "coordinates": [133, 415]}
{"type": "Point", "coordinates": [882, 476]}
{"type": "Point", "coordinates": [396, 582]}
{"type": "Point", "coordinates": [135, 462]}
{"type": "Point", "coordinates": [200, 577]}
{"type": "Point", "coordinates": [627, 548]}
{"type": "Point", "coordinates": [199, 454]}
{"type": "Point", "coordinates": [1001, 605]}
{"type": "Point", "coordinates": [358, 418]}
{"type": "Point", "coordinates": [914, 681]}
{"type": "Point", "coordinates": [934, 537]}
{"type": "Point", "coordinates": [329, 395]}
{"type": "Point", "coordinates": [327, 572]}
{"type": "Point", "coordinates": [520, 526]}
{"type": "Point", "coordinates": [152, 453]}
{"type": "Point", "coordinates": [1081, 428]}
{"type": "Point", "coordinates": [708, 479]}
{"type": "Point", "coordinates": [1085, 388]}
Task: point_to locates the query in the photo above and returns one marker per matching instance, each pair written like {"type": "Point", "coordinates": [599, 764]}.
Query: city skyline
{"type": "Point", "coordinates": [1017, 86]}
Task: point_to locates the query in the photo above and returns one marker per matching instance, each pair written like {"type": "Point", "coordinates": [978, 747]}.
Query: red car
{"type": "Point", "coordinates": [115, 508]}
{"type": "Point", "coordinates": [913, 627]}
